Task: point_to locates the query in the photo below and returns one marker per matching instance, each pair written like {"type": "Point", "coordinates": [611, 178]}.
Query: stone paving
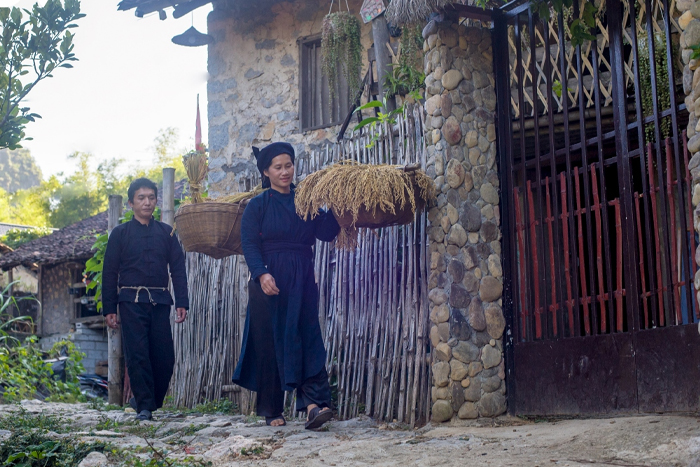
{"type": "Point", "coordinates": [645, 440]}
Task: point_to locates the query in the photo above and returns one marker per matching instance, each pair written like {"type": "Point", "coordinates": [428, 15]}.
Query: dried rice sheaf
{"type": "Point", "coordinates": [233, 198]}
{"type": "Point", "coordinates": [348, 187]}
{"type": "Point", "coordinates": [196, 167]}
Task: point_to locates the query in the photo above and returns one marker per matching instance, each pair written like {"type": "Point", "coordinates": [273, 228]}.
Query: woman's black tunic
{"type": "Point", "coordinates": [277, 241]}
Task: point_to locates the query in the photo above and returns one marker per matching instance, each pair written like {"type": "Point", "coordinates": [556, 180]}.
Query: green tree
{"type": "Point", "coordinates": [33, 43]}
{"type": "Point", "coordinates": [28, 207]}
{"type": "Point", "coordinates": [79, 196]}
{"type": "Point", "coordinates": [16, 237]}
{"type": "Point", "coordinates": [168, 153]}
{"type": "Point", "coordinates": [18, 170]}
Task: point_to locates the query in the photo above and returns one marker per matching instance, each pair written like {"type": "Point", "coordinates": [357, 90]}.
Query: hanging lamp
{"type": "Point", "coordinates": [192, 38]}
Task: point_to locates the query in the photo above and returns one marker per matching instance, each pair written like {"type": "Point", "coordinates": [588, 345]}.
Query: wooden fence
{"type": "Point", "coordinates": [373, 304]}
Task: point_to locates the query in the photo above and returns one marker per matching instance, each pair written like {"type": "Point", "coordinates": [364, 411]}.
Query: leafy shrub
{"type": "Point", "coordinates": [23, 372]}
{"type": "Point", "coordinates": [30, 444]}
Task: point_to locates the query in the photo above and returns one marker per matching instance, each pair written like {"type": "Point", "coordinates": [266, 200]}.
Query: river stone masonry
{"type": "Point", "coordinates": [689, 21]}
{"type": "Point", "coordinates": [465, 281]}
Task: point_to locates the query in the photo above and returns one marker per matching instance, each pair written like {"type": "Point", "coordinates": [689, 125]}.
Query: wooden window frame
{"type": "Point", "coordinates": [305, 113]}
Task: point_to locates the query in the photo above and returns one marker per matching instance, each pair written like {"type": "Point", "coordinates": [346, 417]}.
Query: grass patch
{"type": "Point", "coordinates": [102, 406]}
{"type": "Point", "coordinates": [190, 430]}
{"type": "Point", "coordinates": [222, 406]}
{"type": "Point", "coordinates": [142, 430]}
{"type": "Point", "coordinates": [107, 423]}
{"type": "Point", "coordinates": [153, 458]}
{"type": "Point", "coordinates": [256, 451]}
{"type": "Point", "coordinates": [25, 421]}
{"type": "Point", "coordinates": [32, 443]}
{"type": "Point", "coordinates": [252, 418]}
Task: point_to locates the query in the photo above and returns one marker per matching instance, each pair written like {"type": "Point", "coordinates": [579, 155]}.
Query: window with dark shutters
{"type": "Point", "coordinates": [316, 109]}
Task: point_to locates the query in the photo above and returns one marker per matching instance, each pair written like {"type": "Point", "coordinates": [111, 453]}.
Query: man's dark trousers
{"type": "Point", "coordinates": [149, 352]}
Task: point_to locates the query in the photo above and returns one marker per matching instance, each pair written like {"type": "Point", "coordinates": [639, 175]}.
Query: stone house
{"type": "Point", "coordinates": [561, 245]}
{"type": "Point", "coordinates": [25, 275]}
{"type": "Point", "coordinates": [66, 309]}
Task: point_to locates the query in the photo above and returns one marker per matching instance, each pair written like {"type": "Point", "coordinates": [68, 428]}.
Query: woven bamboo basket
{"type": "Point", "coordinates": [211, 228]}
{"type": "Point", "coordinates": [402, 215]}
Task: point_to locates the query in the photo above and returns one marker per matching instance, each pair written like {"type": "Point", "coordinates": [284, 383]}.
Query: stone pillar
{"type": "Point", "coordinates": [690, 23]}
{"type": "Point", "coordinates": [465, 282]}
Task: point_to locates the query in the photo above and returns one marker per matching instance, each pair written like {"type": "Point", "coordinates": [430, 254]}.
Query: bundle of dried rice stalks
{"type": "Point", "coordinates": [363, 195]}
{"type": "Point", "coordinates": [196, 166]}
{"type": "Point", "coordinates": [401, 12]}
{"type": "Point", "coordinates": [233, 198]}
{"type": "Point", "coordinates": [237, 197]}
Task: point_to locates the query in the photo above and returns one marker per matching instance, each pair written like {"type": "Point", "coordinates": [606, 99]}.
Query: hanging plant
{"type": "Point", "coordinates": [662, 89]}
{"type": "Point", "coordinates": [341, 51]}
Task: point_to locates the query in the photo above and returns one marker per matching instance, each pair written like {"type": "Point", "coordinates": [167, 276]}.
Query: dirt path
{"type": "Point", "coordinates": [652, 441]}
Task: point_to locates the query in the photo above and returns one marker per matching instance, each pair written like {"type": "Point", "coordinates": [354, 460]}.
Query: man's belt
{"type": "Point", "coordinates": [139, 288]}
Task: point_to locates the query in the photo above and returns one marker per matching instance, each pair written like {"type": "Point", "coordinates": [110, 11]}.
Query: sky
{"type": "Point", "coordinates": [130, 82]}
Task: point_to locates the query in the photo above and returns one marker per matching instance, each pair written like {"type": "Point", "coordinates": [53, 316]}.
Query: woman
{"type": "Point", "coordinates": [282, 342]}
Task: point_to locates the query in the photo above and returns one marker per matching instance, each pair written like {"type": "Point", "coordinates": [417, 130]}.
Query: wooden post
{"type": "Point", "coordinates": [114, 336]}
{"type": "Point", "coordinates": [40, 297]}
{"type": "Point", "coordinates": [10, 280]}
{"type": "Point", "coordinates": [168, 212]}
{"type": "Point", "coordinates": [380, 34]}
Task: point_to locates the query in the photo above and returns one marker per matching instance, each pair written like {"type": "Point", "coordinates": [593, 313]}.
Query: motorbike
{"type": "Point", "coordinates": [93, 386]}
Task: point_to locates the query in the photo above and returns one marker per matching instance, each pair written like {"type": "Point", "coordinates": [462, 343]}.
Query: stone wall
{"type": "Point", "coordinates": [92, 342]}
{"type": "Point", "coordinates": [57, 306]}
{"type": "Point", "coordinates": [465, 283]}
{"type": "Point", "coordinates": [690, 23]}
{"type": "Point", "coordinates": [253, 88]}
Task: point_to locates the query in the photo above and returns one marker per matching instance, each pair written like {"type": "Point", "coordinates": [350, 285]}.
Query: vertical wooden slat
{"type": "Point", "coordinates": [569, 172]}
{"type": "Point", "coordinates": [657, 243]}
{"type": "Point", "coordinates": [644, 161]}
{"type": "Point", "coordinates": [606, 254]}
{"type": "Point", "coordinates": [675, 271]}
{"type": "Point", "coordinates": [567, 270]}
{"type": "Point", "coordinates": [557, 278]}
{"type": "Point", "coordinates": [599, 248]}
{"type": "Point", "coordinates": [664, 252]}
{"type": "Point", "coordinates": [642, 269]}
{"type": "Point", "coordinates": [586, 183]}
{"type": "Point", "coordinates": [677, 137]}
{"type": "Point", "coordinates": [535, 263]}
{"type": "Point", "coordinates": [539, 240]}
{"type": "Point", "coordinates": [619, 292]}
{"type": "Point", "coordinates": [554, 305]}
{"type": "Point", "coordinates": [585, 299]}
{"type": "Point", "coordinates": [521, 259]}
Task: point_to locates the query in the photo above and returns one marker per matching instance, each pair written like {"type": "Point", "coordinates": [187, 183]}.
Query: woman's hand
{"type": "Point", "coordinates": [267, 282]}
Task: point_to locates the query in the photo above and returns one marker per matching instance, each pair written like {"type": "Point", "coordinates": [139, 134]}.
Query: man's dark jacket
{"type": "Point", "coordinates": [139, 255]}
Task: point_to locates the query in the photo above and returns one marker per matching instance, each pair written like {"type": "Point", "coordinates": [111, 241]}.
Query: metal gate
{"type": "Point", "coordinates": [599, 240]}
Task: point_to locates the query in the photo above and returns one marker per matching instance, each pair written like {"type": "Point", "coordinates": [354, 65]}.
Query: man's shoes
{"type": "Point", "coordinates": [132, 403]}
{"type": "Point", "coordinates": [144, 415]}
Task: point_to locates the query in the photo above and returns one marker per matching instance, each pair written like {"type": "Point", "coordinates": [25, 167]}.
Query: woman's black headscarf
{"type": "Point", "coordinates": [265, 155]}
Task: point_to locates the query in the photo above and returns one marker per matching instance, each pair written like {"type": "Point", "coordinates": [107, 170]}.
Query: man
{"type": "Point", "coordinates": [135, 276]}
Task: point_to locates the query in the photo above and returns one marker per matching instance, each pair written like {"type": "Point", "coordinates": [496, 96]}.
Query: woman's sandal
{"type": "Point", "coordinates": [269, 420]}
{"type": "Point", "coordinates": [317, 417]}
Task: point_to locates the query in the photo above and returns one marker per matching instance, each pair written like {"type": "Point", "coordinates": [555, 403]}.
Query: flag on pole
{"type": "Point", "coordinates": [198, 129]}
